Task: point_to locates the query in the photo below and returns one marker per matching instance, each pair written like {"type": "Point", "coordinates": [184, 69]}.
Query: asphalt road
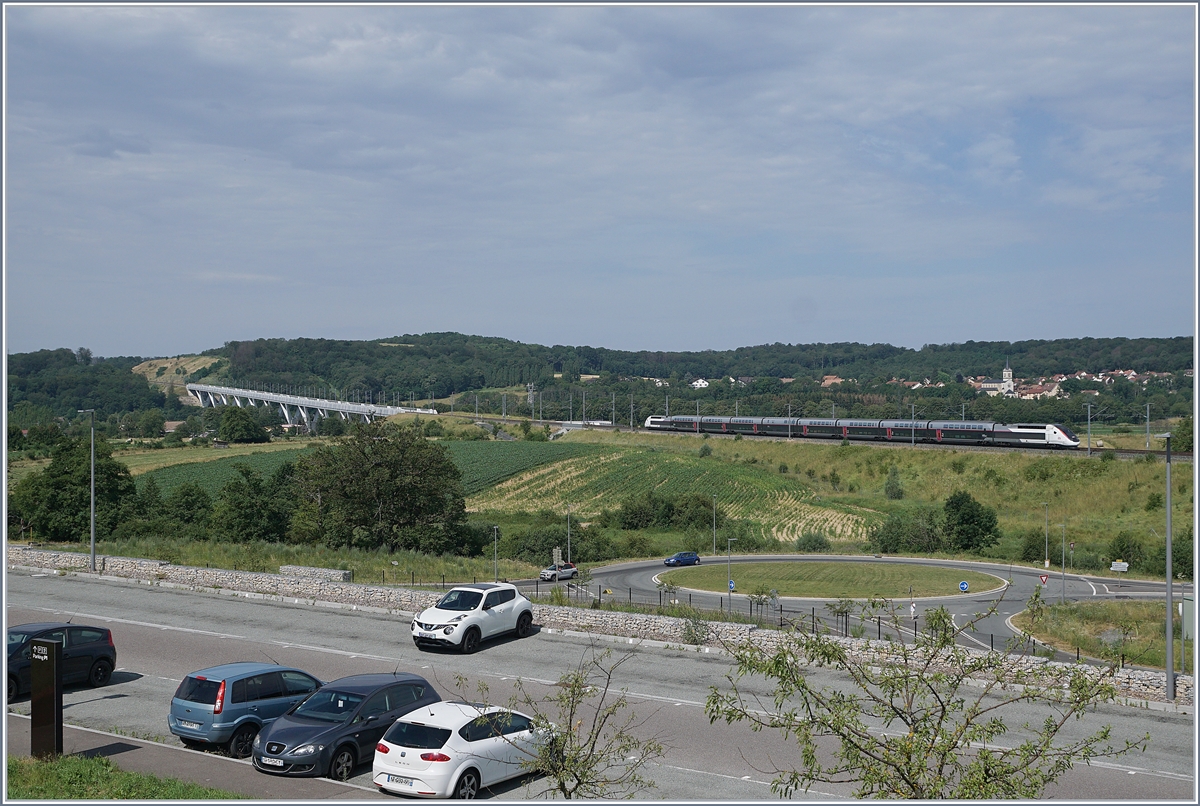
{"type": "Point", "coordinates": [162, 634]}
{"type": "Point", "coordinates": [1014, 585]}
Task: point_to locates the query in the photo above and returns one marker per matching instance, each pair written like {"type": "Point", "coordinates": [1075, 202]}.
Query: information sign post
{"type": "Point", "coordinates": [46, 700]}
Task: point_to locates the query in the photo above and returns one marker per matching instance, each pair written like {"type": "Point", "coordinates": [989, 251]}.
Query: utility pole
{"type": "Point", "coordinates": [1147, 426]}
{"type": "Point", "coordinates": [789, 420]}
{"type": "Point", "coordinates": [714, 524]}
{"type": "Point", "coordinates": [631, 411]}
{"type": "Point", "coordinates": [614, 410]}
{"type": "Point", "coordinates": [495, 551]}
{"type": "Point", "coordinates": [1089, 408]}
{"type": "Point", "coordinates": [668, 405]}
{"type": "Point", "coordinates": [568, 533]}
{"type": "Point", "coordinates": [913, 424]}
{"type": "Point", "coordinates": [584, 415]}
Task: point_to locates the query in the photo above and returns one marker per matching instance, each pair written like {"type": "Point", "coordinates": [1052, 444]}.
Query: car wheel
{"type": "Point", "coordinates": [241, 744]}
{"type": "Point", "coordinates": [13, 688]}
{"type": "Point", "coordinates": [100, 674]}
{"type": "Point", "coordinates": [342, 764]}
{"type": "Point", "coordinates": [554, 578]}
{"type": "Point", "coordinates": [524, 622]}
{"type": "Point", "coordinates": [467, 787]}
{"type": "Point", "coordinates": [470, 641]}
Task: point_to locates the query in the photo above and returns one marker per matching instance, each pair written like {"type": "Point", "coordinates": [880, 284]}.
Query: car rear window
{"type": "Point", "coordinates": [196, 689]}
{"type": "Point", "coordinates": [423, 737]}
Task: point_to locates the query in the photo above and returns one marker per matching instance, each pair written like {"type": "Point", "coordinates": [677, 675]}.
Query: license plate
{"type": "Point", "coordinates": [428, 634]}
{"type": "Point", "coordinates": [272, 762]}
{"type": "Point", "coordinates": [396, 779]}
{"type": "Point", "coordinates": [189, 725]}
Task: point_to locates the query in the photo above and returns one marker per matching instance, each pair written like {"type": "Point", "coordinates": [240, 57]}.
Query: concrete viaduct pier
{"type": "Point", "coordinates": [296, 409]}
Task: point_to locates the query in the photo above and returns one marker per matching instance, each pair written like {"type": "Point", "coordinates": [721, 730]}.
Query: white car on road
{"type": "Point", "coordinates": [470, 614]}
{"type": "Point", "coordinates": [553, 573]}
{"type": "Point", "coordinates": [453, 749]}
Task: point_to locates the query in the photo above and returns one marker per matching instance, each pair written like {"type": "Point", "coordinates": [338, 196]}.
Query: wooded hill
{"type": "Point", "coordinates": [572, 382]}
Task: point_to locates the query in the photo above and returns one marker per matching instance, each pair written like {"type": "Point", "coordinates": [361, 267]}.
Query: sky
{"type": "Point", "coordinates": [629, 177]}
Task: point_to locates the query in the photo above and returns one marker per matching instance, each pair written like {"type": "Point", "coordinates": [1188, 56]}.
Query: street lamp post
{"type": "Point", "coordinates": [1047, 506]}
{"type": "Point", "coordinates": [496, 552]}
{"type": "Point", "coordinates": [729, 541]}
{"type": "Point", "coordinates": [714, 525]}
{"type": "Point", "coordinates": [568, 533]}
{"type": "Point", "coordinates": [1170, 585]}
{"type": "Point", "coordinates": [1063, 596]}
{"type": "Point", "coordinates": [92, 412]}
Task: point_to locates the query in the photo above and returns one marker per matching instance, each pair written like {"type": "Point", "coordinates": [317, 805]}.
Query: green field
{"type": "Point", "coordinates": [214, 474]}
{"type": "Point", "coordinates": [1136, 630]}
{"type": "Point", "coordinates": [829, 580]}
{"type": "Point", "coordinates": [484, 464]}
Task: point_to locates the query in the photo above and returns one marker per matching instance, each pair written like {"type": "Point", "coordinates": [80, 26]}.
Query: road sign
{"type": "Point", "coordinates": [1120, 566]}
{"type": "Point", "coordinates": [731, 585]}
{"type": "Point", "coordinates": [1044, 578]}
{"type": "Point", "coordinates": [1072, 544]}
{"type": "Point", "coordinates": [962, 586]}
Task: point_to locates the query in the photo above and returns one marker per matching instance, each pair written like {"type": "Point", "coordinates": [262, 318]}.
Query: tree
{"type": "Point", "coordinates": [240, 425]}
{"type": "Point", "coordinates": [1182, 436]}
{"type": "Point", "coordinates": [892, 488]}
{"type": "Point", "coordinates": [188, 502]}
{"type": "Point", "coordinates": [921, 720]}
{"type": "Point", "coordinates": [249, 508]}
{"type": "Point", "coordinates": [56, 503]}
{"type": "Point", "coordinates": [589, 748]}
{"type": "Point", "coordinates": [970, 525]}
{"type": "Point", "coordinates": [382, 486]}
{"type": "Point", "coordinates": [1125, 546]}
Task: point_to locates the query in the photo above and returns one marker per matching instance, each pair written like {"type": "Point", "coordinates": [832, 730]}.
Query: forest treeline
{"type": "Point", "coordinates": [562, 382]}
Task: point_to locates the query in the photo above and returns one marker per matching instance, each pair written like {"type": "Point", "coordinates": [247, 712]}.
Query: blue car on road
{"type": "Point", "coordinates": [683, 558]}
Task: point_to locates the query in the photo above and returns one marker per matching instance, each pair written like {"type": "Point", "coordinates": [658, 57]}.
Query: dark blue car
{"type": "Point", "coordinates": [338, 726]}
{"type": "Point", "coordinates": [683, 558]}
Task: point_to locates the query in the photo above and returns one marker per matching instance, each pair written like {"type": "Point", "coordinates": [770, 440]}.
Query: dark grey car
{"type": "Point", "coordinates": [337, 727]}
{"type": "Point", "coordinates": [88, 653]}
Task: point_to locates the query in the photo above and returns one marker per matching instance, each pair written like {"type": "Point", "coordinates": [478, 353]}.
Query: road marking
{"type": "Point", "coordinates": [113, 619]}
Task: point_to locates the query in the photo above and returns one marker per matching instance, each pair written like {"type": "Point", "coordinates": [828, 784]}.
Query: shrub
{"type": "Point", "coordinates": [705, 450]}
{"type": "Point", "coordinates": [1033, 547]}
{"type": "Point", "coordinates": [969, 524]}
{"type": "Point", "coordinates": [1154, 501]}
{"type": "Point", "coordinates": [1125, 546]}
{"type": "Point", "coordinates": [783, 468]}
{"type": "Point", "coordinates": [812, 543]}
{"type": "Point", "coordinates": [892, 488]}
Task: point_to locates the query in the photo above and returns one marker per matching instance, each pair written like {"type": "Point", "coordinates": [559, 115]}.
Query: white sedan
{"type": "Point", "coordinates": [453, 749]}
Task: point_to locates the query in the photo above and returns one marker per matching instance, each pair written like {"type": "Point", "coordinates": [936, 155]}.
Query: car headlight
{"type": "Point", "coordinates": [449, 629]}
{"type": "Point", "coordinates": [258, 739]}
{"type": "Point", "coordinates": [308, 749]}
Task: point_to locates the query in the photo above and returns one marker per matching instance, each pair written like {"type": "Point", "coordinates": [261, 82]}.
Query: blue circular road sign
{"type": "Point", "coordinates": [962, 586]}
{"type": "Point", "coordinates": [731, 584]}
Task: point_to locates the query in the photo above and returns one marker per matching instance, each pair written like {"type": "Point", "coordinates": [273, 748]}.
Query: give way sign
{"type": "Point", "coordinates": [1044, 578]}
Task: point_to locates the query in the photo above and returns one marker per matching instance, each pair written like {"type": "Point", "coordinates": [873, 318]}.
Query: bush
{"type": "Point", "coordinates": [969, 524]}
{"type": "Point", "coordinates": [919, 531]}
{"type": "Point", "coordinates": [1154, 501]}
{"type": "Point", "coordinates": [705, 450]}
{"type": "Point", "coordinates": [812, 543]}
{"type": "Point", "coordinates": [1033, 547]}
{"type": "Point", "coordinates": [783, 468]}
{"type": "Point", "coordinates": [1126, 547]}
{"type": "Point", "coordinates": [892, 488]}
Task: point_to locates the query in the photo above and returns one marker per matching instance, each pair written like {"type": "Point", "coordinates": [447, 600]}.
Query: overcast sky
{"type": "Point", "coordinates": [668, 178]}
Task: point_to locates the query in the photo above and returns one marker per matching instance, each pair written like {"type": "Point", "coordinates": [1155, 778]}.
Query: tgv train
{"type": "Point", "coordinates": [946, 432]}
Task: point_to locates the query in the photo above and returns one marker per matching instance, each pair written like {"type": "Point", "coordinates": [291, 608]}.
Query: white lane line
{"type": "Point", "coordinates": [328, 651]}
{"type": "Point", "coordinates": [114, 619]}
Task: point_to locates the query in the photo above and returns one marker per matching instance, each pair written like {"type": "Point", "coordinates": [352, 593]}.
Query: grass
{"type": "Point", "coordinates": [821, 580]}
{"type": "Point", "coordinates": [1108, 630]}
{"type": "Point", "coordinates": [1095, 498]}
{"type": "Point", "coordinates": [79, 778]}
{"type": "Point", "coordinates": [376, 567]}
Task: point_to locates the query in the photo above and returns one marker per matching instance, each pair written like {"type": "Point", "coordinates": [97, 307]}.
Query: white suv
{"type": "Point", "coordinates": [469, 614]}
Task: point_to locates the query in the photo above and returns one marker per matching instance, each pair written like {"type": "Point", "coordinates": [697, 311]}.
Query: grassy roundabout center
{"type": "Point", "coordinates": [832, 580]}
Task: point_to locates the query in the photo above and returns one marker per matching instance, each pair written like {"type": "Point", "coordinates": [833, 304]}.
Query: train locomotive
{"type": "Point", "coordinates": [942, 432]}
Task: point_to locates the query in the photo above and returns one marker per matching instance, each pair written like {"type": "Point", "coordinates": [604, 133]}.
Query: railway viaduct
{"type": "Point", "coordinates": [296, 409]}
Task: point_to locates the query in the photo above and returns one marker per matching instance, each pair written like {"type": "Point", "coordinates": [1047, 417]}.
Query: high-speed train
{"type": "Point", "coordinates": [946, 432]}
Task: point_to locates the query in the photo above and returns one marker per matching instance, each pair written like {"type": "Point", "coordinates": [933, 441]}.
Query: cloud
{"type": "Point", "coordinates": [401, 153]}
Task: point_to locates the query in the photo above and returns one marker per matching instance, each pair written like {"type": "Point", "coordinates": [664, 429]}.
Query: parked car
{"type": "Point", "coordinates": [683, 558]}
{"type": "Point", "coordinates": [339, 724]}
{"type": "Point", "coordinates": [228, 705]}
{"type": "Point", "coordinates": [553, 573]}
{"type": "Point", "coordinates": [88, 654]}
{"type": "Point", "coordinates": [452, 749]}
{"type": "Point", "coordinates": [470, 614]}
